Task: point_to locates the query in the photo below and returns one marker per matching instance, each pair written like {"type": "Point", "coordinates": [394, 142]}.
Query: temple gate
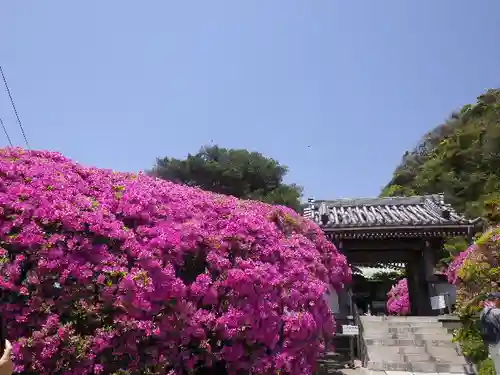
{"type": "Point", "coordinates": [373, 232]}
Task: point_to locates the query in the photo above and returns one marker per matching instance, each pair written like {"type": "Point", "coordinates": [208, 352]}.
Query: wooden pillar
{"type": "Point", "coordinates": [412, 287]}
{"type": "Point", "coordinates": [429, 260]}
{"type": "Point", "coordinates": [433, 249]}
{"type": "Point", "coordinates": [418, 287]}
{"type": "Point", "coordinates": [343, 294]}
{"type": "Point", "coordinates": [425, 272]}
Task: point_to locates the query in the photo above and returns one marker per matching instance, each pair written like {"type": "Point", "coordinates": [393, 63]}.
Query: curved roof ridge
{"type": "Point", "coordinates": [381, 201]}
{"type": "Point", "coordinates": [423, 211]}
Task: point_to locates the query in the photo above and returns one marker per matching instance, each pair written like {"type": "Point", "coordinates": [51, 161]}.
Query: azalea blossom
{"type": "Point", "coordinates": [458, 261]}
{"type": "Point", "coordinates": [107, 272]}
{"type": "Point", "coordinates": [398, 301]}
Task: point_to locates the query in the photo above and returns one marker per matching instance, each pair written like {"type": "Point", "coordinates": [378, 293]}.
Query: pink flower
{"type": "Point", "coordinates": [457, 263]}
{"type": "Point", "coordinates": [112, 272]}
{"type": "Point", "coordinates": [398, 301]}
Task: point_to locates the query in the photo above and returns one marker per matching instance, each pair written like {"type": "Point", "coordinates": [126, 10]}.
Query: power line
{"type": "Point", "coordinates": [6, 133]}
{"type": "Point", "coordinates": [14, 107]}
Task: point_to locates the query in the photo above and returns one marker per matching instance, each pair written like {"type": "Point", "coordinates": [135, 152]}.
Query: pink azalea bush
{"type": "Point", "coordinates": [457, 263]}
{"type": "Point", "coordinates": [116, 273]}
{"type": "Point", "coordinates": [475, 272]}
{"type": "Point", "coordinates": [398, 302]}
{"type": "Point", "coordinates": [477, 247]}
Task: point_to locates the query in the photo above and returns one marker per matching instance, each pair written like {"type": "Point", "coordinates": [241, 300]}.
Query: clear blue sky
{"type": "Point", "coordinates": [336, 90]}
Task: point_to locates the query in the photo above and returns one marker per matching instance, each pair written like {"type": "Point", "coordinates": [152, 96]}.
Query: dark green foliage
{"type": "Point", "coordinates": [452, 247]}
{"type": "Point", "coordinates": [390, 277]}
{"type": "Point", "coordinates": [470, 341]}
{"type": "Point", "coordinates": [460, 158]}
{"type": "Point", "coordinates": [486, 367]}
{"type": "Point", "coordinates": [240, 173]}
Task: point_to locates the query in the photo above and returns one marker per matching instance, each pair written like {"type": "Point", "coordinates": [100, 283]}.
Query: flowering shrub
{"type": "Point", "coordinates": [117, 273]}
{"type": "Point", "coordinates": [398, 301]}
{"type": "Point", "coordinates": [456, 264]}
{"type": "Point", "coordinates": [475, 273]}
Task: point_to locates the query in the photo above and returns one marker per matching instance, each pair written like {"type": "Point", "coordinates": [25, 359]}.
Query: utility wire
{"type": "Point", "coordinates": [6, 132]}
{"type": "Point", "coordinates": [14, 107]}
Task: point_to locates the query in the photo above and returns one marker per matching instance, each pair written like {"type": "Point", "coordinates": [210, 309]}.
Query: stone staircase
{"type": "Point", "coordinates": [412, 344]}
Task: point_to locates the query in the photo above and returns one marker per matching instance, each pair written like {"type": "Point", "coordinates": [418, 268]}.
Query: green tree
{"type": "Point", "coordinates": [236, 172]}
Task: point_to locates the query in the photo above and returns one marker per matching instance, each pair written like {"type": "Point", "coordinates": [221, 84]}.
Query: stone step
{"type": "Point", "coordinates": [400, 325]}
{"type": "Point", "coordinates": [419, 357]}
{"type": "Point", "coordinates": [409, 342]}
{"type": "Point", "coordinates": [425, 367]}
{"type": "Point", "coordinates": [399, 319]}
{"type": "Point", "coordinates": [415, 338]}
{"type": "Point", "coordinates": [441, 351]}
{"type": "Point", "coordinates": [408, 350]}
{"type": "Point", "coordinates": [406, 330]}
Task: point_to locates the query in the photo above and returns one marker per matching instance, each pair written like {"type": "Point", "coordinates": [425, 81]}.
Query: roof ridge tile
{"type": "Point", "coordinates": [386, 212]}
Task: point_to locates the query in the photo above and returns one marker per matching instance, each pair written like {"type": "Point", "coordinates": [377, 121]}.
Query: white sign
{"type": "Point", "coordinates": [350, 330]}
{"type": "Point", "coordinates": [438, 302]}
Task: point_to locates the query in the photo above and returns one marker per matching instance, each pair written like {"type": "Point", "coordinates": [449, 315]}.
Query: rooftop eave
{"type": "Point", "coordinates": [398, 228]}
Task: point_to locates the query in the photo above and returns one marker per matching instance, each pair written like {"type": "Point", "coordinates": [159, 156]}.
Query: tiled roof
{"type": "Point", "coordinates": [393, 212]}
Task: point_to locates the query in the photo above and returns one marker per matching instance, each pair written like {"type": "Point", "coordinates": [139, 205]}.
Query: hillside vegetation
{"type": "Point", "coordinates": [460, 158]}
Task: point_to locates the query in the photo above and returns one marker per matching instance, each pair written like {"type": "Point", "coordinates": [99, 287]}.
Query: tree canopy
{"type": "Point", "coordinates": [237, 172]}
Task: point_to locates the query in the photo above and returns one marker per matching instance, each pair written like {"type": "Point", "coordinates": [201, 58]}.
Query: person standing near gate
{"type": "Point", "coordinates": [490, 327]}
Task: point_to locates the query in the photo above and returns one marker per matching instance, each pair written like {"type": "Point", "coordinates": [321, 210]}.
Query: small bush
{"type": "Point", "coordinates": [398, 301]}
{"type": "Point", "coordinates": [486, 367]}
